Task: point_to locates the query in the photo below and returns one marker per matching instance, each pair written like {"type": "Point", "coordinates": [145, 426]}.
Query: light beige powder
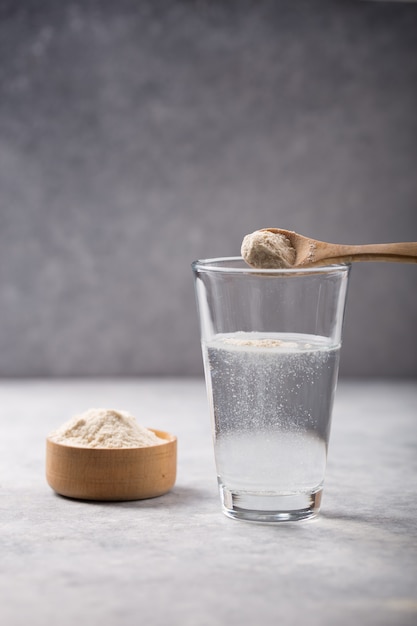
{"type": "Point", "coordinates": [261, 343]}
{"type": "Point", "coordinates": [104, 428]}
{"type": "Point", "coordinates": [264, 249]}
{"type": "Point", "coordinates": [256, 343]}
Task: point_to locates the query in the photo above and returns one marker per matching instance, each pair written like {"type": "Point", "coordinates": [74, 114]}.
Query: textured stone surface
{"type": "Point", "coordinates": [136, 137]}
{"type": "Point", "coordinates": [177, 559]}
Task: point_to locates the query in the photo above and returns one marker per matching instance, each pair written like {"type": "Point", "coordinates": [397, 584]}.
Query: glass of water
{"type": "Point", "coordinates": [271, 342]}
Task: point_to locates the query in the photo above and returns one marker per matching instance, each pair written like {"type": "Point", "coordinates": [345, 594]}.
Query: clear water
{"type": "Point", "coordinates": [271, 399]}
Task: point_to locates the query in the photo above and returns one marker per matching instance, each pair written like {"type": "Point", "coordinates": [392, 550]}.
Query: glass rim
{"type": "Point", "coordinates": [220, 264]}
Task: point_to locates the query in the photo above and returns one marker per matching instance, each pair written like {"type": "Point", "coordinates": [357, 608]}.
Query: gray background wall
{"type": "Point", "coordinates": [138, 136]}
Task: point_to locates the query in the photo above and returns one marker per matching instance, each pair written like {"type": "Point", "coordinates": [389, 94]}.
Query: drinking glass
{"type": "Point", "coordinates": [271, 341]}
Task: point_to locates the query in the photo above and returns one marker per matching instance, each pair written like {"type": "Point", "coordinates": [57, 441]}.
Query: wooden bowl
{"type": "Point", "coordinates": [112, 473]}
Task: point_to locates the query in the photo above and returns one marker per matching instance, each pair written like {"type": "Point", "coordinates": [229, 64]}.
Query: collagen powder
{"type": "Point", "coordinates": [104, 428]}
{"type": "Point", "coordinates": [265, 249]}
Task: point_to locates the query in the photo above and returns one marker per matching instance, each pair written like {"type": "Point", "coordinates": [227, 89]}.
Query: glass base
{"type": "Point", "coordinates": [260, 507]}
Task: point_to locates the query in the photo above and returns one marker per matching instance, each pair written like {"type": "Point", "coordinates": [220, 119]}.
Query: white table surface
{"type": "Point", "coordinates": [177, 559]}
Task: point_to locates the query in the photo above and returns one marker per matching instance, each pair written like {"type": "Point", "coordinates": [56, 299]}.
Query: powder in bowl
{"type": "Point", "coordinates": [104, 428]}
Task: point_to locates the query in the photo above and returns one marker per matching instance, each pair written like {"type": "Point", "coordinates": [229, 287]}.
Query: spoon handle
{"type": "Point", "coordinates": [405, 252]}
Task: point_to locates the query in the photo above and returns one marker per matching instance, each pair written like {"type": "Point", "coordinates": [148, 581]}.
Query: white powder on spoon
{"type": "Point", "coordinates": [104, 428]}
{"type": "Point", "coordinates": [265, 249]}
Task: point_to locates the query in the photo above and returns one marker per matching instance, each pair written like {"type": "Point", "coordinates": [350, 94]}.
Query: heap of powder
{"type": "Point", "coordinates": [264, 249]}
{"type": "Point", "coordinates": [104, 428]}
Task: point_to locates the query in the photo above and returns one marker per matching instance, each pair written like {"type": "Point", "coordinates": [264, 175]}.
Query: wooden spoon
{"type": "Point", "coordinates": [310, 252]}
